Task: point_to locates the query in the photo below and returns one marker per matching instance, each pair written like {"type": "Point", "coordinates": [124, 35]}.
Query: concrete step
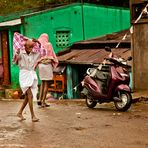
{"type": "Point", "coordinates": [2, 92]}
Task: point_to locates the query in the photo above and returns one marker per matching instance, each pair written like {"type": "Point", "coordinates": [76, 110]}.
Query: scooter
{"type": "Point", "coordinates": [105, 83]}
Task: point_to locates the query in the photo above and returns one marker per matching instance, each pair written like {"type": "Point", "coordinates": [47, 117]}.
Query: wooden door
{"type": "Point", "coordinates": [5, 57]}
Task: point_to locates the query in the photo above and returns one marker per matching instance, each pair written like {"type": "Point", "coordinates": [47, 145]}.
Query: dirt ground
{"type": "Point", "coordinates": [70, 124]}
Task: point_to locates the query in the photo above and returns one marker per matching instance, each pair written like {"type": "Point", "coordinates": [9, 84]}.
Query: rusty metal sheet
{"type": "Point", "coordinates": [90, 56]}
{"type": "Point", "coordinates": [92, 51]}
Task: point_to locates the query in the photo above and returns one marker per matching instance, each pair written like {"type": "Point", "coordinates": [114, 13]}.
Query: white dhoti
{"type": "Point", "coordinates": [28, 79]}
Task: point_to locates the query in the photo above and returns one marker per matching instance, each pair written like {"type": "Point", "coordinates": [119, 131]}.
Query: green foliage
{"type": "Point", "coordinates": [8, 6]}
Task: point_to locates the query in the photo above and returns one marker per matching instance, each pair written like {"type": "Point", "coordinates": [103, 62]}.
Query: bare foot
{"type": "Point", "coordinates": [34, 119]}
{"type": "Point", "coordinates": [45, 105]}
{"type": "Point", "coordinates": [20, 116]}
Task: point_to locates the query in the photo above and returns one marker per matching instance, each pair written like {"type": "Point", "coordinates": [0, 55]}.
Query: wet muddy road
{"type": "Point", "coordinates": [70, 124]}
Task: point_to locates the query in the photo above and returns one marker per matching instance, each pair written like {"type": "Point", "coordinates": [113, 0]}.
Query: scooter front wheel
{"type": "Point", "coordinates": [90, 102]}
{"type": "Point", "coordinates": [125, 101]}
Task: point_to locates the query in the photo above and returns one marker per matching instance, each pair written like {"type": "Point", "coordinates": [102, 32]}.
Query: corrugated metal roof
{"type": "Point", "coordinates": [91, 56]}
{"type": "Point", "coordinates": [92, 51]}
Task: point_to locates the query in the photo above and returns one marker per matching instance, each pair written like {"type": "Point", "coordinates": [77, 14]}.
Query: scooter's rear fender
{"type": "Point", "coordinates": [122, 87]}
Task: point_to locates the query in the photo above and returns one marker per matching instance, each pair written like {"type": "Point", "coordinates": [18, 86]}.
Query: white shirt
{"type": "Point", "coordinates": [27, 76]}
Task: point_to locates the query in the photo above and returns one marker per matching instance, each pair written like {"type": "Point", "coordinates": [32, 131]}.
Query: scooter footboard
{"type": "Point", "coordinates": [84, 92]}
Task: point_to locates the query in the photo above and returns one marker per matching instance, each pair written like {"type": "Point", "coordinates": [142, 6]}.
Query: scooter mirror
{"type": "Point", "coordinates": [129, 58]}
{"type": "Point", "coordinates": [108, 49]}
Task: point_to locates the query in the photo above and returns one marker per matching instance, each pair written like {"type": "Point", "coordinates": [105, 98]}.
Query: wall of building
{"type": "Point", "coordinates": [64, 19]}
{"type": "Point", "coordinates": [81, 21]}
{"type": "Point", "coordinates": [139, 20]}
{"type": "Point", "coordinates": [140, 54]}
{"type": "Point", "coordinates": [14, 69]}
{"type": "Point", "coordinates": [100, 20]}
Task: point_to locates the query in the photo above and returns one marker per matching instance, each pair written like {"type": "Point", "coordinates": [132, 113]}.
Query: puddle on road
{"type": "Point", "coordinates": [9, 133]}
{"type": "Point", "coordinates": [10, 129]}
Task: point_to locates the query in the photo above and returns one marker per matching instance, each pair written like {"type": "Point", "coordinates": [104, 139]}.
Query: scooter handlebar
{"type": "Point", "coordinates": [119, 62]}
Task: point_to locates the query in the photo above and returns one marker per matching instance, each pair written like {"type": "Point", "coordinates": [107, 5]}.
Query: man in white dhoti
{"type": "Point", "coordinates": [26, 59]}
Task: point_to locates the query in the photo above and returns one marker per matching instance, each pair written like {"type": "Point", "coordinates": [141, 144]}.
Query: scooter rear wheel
{"type": "Point", "coordinates": [125, 103]}
{"type": "Point", "coordinates": [90, 102]}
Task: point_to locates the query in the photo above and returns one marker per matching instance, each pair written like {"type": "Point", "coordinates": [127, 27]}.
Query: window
{"type": "Point", "coordinates": [62, 38]}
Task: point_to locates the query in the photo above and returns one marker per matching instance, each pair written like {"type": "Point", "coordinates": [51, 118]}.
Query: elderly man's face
{"type": "Point", "coordinates": [28, 46]}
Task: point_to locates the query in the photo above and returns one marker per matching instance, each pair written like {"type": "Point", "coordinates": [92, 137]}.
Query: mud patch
{"type": "Point", "coordinates": [10, 133]}
{"type": "Point", "coordinates": [79, 128]}
{"type": "Point", "coordinates": [140, 99]}
{"type": "Point", "coordinates": [12, 146]}
{"type": "Point", "coordinates": [10, 129]}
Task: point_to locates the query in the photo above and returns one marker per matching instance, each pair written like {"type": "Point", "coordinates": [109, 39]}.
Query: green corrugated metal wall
{"type": "Point", "coordinates": [99, 20]}
{"type": "Point", "coordinates": [63, 19]}
{"type": "Point", "coordinates": [82, 21]}
{"type": "Point", "coordinates": [14, 70]}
